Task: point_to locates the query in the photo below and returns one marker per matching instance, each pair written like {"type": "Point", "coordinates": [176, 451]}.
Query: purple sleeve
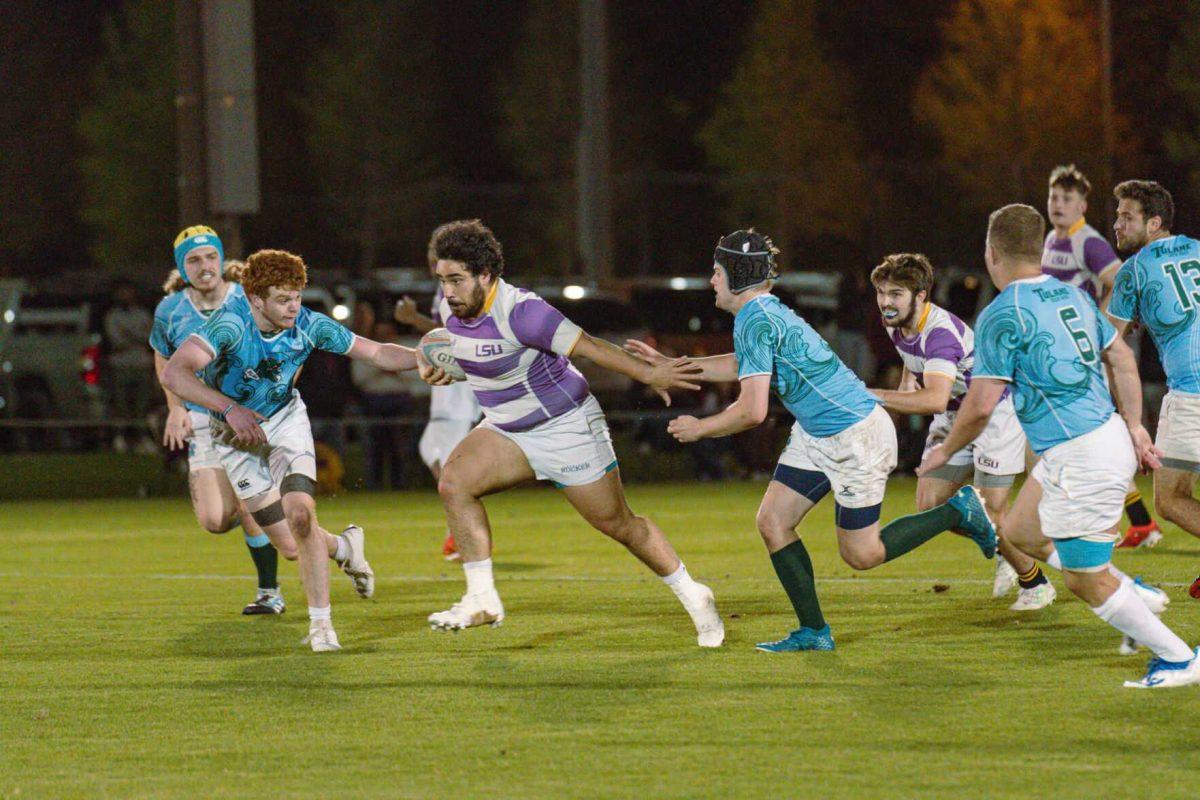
{"type": "Point", "coordinates": [535, 322]}
{"type": "Point", "coordinates": [1098, 254]}
{"type": "Point", "coordinates": [942, 345]}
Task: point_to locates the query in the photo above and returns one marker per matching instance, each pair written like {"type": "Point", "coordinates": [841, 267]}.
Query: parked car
{"type": "Point", "coordinates": [50, 359]}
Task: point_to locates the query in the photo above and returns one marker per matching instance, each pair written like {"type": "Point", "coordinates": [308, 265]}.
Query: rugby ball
{"type": "Point", "coordinates": [436, 350]}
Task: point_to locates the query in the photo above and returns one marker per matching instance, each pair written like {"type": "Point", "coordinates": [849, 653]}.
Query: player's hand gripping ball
{"type": "Point", "coordinates": [434, 350]}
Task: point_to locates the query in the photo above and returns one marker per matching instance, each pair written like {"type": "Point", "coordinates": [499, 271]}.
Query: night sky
{"type": "Point", "coordinates": [668, 62]}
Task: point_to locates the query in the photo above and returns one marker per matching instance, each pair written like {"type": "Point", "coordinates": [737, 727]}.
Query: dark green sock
{"type": "Point", "coordinates": [903, 534]}
{"type": "Point", "coordinates": [266, 561]}
{"type": "Point", "coordinates": [794, 568]}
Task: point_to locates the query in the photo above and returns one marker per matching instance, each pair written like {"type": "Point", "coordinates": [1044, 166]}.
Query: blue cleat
{"type": "Point", "coordinates": [976, 524]}
{"type": "Point", "coordinates": [800, 639]}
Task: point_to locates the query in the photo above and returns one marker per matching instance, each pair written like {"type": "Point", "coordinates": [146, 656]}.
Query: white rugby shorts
{"type": "Point", "coordinates": [201, 453]}
{"type": "Point", "coordinates": [573, 449]}
{"type": "Point", "coordinates": [856, 461]}
{"type": "Point", "coordinates": [998, 450]}
{"type": "Point", "coordinates": [440, 437]}
{"type": "Point", "coordinates": [1179, 431]}
{"type": "Point", "coordinates": [289, 451]}
{"type": "Point", "coordinates": [1084, 481]}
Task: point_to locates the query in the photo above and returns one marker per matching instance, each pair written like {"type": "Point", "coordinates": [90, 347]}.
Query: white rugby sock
{"type": "Point", "coordinates": [681, 583]}
{"type": "Point", "coordinates": [479, 576]}
{"type": "Point", "coordinates": [316, 614]}
{"type": "Point", "coordinates": [1127, 612]}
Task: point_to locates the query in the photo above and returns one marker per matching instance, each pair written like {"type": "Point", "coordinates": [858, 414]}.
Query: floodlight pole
{"type": "Point", "coordinates": [189, 114]}
{"type": "Point", "coordinates": [593, 177]}
{"type": "Point", "coordinates": [1106, 110]}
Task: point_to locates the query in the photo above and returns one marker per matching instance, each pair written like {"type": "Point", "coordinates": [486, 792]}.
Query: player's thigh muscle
{"type": "Point", "coordinates": [1174, 482]}
{"type": "Point", "coordinates": [485, 462]}
{"type": "Point", "coordinates": [212, 494]}
{"type": "Point", "coordinates": [601, 501]}
{"type": "Point", "coordinates": [782, 508]}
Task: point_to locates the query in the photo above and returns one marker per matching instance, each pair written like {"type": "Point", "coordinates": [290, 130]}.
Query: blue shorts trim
{"type": "Point", "coordinates": [1082, 555]}
{"type": "Point", "coordinates": [804, 482]}
{"type": "Point", "coordinates": [853, 519]}
{"type": "Point", "coordinates": [607, 470]}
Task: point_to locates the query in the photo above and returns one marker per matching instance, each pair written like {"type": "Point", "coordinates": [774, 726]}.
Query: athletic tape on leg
{"type": "Point", "coordinates": [269, 515]}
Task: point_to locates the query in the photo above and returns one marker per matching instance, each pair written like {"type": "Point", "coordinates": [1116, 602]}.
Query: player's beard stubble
{"type": "Point", "coordinates": [469, 309]}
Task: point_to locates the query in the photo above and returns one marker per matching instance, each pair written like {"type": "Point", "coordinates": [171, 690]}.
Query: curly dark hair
{"type": "Point", "coordinates": [278, 268]}
{"type": "Point", "coordinates": [1154, 198]}
{"type": "Point", "coordinates": [471, 243]}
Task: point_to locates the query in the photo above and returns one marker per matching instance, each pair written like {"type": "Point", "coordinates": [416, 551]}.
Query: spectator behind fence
{"type": "Point", "coordinates": [384, 395]}
{"type": "Point", "coordinates": [127, 327]}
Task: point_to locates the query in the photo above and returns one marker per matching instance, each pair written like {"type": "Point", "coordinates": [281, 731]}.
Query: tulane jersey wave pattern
{"type": "Point", "coordinates": [258, 371]}
{"type": "Point", "coordinates": [1160, 287]}
{"type": "Point", "coordinates": [1046, 338]}
{"type": "Point", "coordinates": [176, 318]}
{"type": "Point", "coordinates": [819, 390]}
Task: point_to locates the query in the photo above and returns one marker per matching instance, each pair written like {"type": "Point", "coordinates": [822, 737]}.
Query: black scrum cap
{"type": "Point", "coordinates": [748, 258]}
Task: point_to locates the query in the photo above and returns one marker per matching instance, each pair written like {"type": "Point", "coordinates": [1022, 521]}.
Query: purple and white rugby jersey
{"type": "Point", "coordinates": [456, 401]}
{"type": "Point", "coordinates": [515, 356]}
{"type": "Point", "coordinates": [944, 344]}
{"type": "Point", "coordinates": [1078, 259]}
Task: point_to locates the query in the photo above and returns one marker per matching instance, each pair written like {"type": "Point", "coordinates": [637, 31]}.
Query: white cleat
{"type": "Point", "coordinates": [1034, 598]}
{"type": "Point", "coordinates": [702, 607]}
{"type": "Point", "coordinates": [1168, 674]}
{"type": "Point", "coordinates": [322, 637]}
{"type": "Point", "coordinates": [1156, 600]}
{"type": "Point", "coordinates": [482, 608]}
{"type": "Point", "coordinates": [355, 565]}
{"type": "Point", "coordinates": [1005, 580]}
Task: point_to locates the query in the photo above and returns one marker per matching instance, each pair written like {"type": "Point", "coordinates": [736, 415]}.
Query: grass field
{"type": "Point", "coordinates": [127, 670]}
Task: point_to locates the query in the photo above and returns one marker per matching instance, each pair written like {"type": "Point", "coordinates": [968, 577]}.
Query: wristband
{"type": "Point", "coordinates": [228, 409]}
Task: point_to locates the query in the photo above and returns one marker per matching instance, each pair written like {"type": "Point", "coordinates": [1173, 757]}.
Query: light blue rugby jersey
{"type": "Point", "coordinates": [1160, 287]}
{"type": "Point", "coordinates": [176, 318]}
{"type": "Point", "coordinates": [258, 371]}
{"type": "Point", "coordinates": [1046, 337]}
{"type": "Point", "coordinates": [821, 392]}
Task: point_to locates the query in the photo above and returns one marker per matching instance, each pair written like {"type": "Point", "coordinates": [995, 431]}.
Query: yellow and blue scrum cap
{"type": "Point", "coordinates": [192, 237]}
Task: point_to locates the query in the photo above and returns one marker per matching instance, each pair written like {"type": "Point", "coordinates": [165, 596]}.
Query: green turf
{"type": "Point", "coordinates": [127, 671]}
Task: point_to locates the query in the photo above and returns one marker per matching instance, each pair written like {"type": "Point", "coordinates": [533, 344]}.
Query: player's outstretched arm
{"type": "Point", "coordinates": [384, 356]}
{"type": "Point", "coordinates": [748, 411]}
{"type": "Point", "coordinates": [406, 313]}
{"type": "Point", "coordinates": [713, 369]}
{"type": "Point", "coordinates": [179, 422]}
{"type": "Point", "coordinates": [1127, 392]}
{"type": "Point", "coordinates": [179, 377]}
{"type": "Point", "coordinates": [969, 422]}
{"type": "Point", "coordinates": [932, 399]}
{"type": "Point", "coordinates": [677, 373]}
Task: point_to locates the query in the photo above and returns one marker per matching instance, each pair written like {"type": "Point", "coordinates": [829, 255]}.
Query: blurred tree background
{"type": "Point", "coordinates": [846, 129]}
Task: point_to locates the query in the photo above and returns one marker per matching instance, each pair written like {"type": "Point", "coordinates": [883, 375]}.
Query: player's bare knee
{"type": "Point", "coordinates": [215, 521]}
{"type": "Point", "coordinates": [860, 559]}
{"type": "Point", "coordinates": [451, 488]}
{"type": "Point", "coordinates": [624, 528]}
{"type": "Point", "coordinates": [774, 530]}
{"type": "Point", "coordinates": [300, 520]}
